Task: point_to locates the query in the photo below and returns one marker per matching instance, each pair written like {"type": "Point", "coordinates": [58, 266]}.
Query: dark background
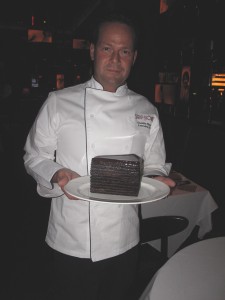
{"type": "Point", "coordinates": [181, 35]}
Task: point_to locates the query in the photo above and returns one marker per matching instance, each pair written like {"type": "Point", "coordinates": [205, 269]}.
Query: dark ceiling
{"type": "Point", "coordinates": [183, 17]}
{"type": "Point", "coordinates": [75, 16]}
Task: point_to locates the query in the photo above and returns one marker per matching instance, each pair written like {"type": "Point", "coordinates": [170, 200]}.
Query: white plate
{"type": "Point", "coordinates": [151, 190]}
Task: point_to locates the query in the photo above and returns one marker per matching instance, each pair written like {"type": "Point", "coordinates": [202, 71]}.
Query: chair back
{"type": "Point", "coordinates": [161, 227]}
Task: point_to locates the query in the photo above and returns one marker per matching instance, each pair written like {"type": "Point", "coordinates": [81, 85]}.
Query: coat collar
{"type": "Point", "coordinates": [121, 91]}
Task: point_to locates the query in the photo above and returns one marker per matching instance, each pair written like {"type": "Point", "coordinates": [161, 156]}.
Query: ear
{"type": "Point", "coordinates": [92, 51]}
{"type": "Point", "coordinates": [135, 56]}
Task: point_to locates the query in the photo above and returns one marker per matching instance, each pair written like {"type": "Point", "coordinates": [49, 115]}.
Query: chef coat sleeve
{"type": "Point", "coordinates": [155, 154]}
{"type": "Point", "coordinates": [40, 149]}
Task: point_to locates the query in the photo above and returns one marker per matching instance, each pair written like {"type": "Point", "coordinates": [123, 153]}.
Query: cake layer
{"type": "Point", "coordinates": [113, 181]}
{"type": "Point", "coordinates": [115, 192]}
{"type": "Point", "coordinates": [116, 174]}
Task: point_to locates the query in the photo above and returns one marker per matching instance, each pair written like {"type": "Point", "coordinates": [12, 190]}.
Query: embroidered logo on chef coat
{"type": "Point", "coordinates": [144, 120]}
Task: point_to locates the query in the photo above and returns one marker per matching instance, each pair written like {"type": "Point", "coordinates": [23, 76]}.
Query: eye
{"type": "Point", "coordinates": [125, 52]}
{"type": "Point", "coordinates": [107, 49]}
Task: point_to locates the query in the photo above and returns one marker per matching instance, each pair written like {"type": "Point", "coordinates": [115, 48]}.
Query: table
{"type": "Point", "coordinates": [191, 201]}
{"type": "Point", "coordinates": [196, 272]}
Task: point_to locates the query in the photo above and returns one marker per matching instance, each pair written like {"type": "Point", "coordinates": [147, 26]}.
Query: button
{"type": "Point", "coordinates": [92, 115]}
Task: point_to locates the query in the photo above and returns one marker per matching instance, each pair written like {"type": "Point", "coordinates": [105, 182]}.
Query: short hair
{"type": "Point", "coordinates": [115, 18]}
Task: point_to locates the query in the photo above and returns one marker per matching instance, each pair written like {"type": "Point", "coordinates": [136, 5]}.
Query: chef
{"type": "Point", "coordinates": [94, 244]}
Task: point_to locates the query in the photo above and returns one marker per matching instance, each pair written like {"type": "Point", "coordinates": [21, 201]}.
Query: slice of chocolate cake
{"type": "Point", "coordinates": [116, 174]}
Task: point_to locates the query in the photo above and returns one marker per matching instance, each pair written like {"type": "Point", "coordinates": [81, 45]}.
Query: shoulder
{"type": "Point", "coordinates": [142, 101]}
{"type": "Point", "coordinates": [68, 91]}
{"type": "Point", "coordinates": [69, 94]}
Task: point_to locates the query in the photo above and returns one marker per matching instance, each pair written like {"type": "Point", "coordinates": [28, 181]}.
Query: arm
{"type": "Point", "coordinates": [155, 155]}
{"type": "Point", "coordinates": [40, 149]}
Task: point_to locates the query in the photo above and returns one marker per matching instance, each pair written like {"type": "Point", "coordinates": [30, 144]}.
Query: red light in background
{"type": "Point", "coordinates": [32, 20]}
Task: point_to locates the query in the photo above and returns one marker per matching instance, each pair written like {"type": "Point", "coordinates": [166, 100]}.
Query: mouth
{"type": "Point", "coordinates": [116, 71]}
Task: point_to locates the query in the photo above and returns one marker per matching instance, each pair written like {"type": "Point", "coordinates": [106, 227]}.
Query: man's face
{"type": "Point", "coordinates": [113, 55]}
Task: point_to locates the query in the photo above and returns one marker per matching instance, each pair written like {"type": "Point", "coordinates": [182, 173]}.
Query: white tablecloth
{"type": "Point", "coordinates": [196, 272]}
{"type": "Point", "coordinates": [196, 205]}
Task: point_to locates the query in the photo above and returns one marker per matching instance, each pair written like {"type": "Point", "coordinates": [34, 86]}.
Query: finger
{"type": "Point", "coordinates": [69, 196]}
{"type": "Point", "coordinates": [168, 181]}
{"type": "Point", "coordinates": [63, 181]}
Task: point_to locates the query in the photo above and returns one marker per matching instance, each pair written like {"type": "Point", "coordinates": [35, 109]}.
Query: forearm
{"type": "Point", "coordinates": [42, 170]}
{"type": "Point", "coordinates": [155, 154]}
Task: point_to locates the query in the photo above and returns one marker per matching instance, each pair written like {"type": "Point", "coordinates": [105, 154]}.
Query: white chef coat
{"type": "Point", "coordinates": [74, 125]}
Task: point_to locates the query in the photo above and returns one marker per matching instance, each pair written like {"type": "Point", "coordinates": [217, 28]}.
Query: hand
{"type": "Point", "coordinates": [62, 177]}
{"type": "Point", "coordinates": [168, 181]}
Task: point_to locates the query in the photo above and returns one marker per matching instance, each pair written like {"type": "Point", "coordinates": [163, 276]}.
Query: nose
{"type": "Point", "coordinates": [115, 57]}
